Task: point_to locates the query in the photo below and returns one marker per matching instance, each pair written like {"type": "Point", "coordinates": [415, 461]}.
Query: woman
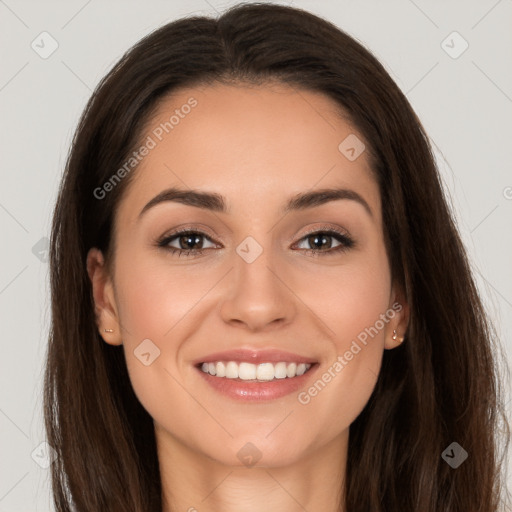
{"type": "Point", "coordinates": [206, 351]}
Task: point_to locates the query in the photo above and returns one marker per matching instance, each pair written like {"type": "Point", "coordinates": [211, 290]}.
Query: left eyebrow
{"type": "Point", "coordinates": [217, 203]}
{"type": "Point", "coordinates": [322, 196]}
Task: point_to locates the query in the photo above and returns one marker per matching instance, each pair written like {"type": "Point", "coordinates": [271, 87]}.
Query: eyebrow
{"type": "Point", "coordinates": [216, 203]}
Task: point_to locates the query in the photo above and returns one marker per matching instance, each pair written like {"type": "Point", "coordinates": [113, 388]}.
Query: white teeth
{"type": "Point", "coordinates": [291, 370]}
{"type": "Point", "coordinates": [280, 370]}
{"type": "Point", "coordinates": [231, 370]}
{"type": "Point", "coordinates": [249, 371]}
{"type": "Point", "coordinates": [220, 369]}
{"type": "Point", "coordinates": [246, 371]}
{"type": "Point", "coordinates": [265, 371]}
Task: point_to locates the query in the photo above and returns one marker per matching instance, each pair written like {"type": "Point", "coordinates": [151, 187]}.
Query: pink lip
{"type": "Point", "coordinates": [255, 357]}
{"type": "Point", "coordinates": [238, 389]}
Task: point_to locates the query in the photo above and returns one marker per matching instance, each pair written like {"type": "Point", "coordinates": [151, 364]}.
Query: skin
{"type": "Point", "coordinates": [257, 146]}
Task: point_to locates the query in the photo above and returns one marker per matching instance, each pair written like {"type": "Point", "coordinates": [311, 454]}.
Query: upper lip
{"type": "Point", "coordinates": [255, 356]}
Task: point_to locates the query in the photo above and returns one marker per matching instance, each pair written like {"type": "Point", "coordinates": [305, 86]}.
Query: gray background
{"type": "Point", "coordinates": [465, 104]}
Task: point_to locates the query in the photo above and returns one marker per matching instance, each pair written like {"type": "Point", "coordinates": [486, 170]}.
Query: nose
{"type": "Point", "coordinates": [257, 296]}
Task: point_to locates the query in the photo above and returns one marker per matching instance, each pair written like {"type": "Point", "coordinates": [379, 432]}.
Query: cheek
{"type": "Point", "coordinates": [354, 304]}
{"type": "Point", "coordinates": [154, 295]}
{"type": "Point", "coordinates": [348, 298]}
{"type": "Point", "coordinates": [158, 303]}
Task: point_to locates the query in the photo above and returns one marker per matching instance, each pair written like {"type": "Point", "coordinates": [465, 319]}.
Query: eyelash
{"type": "Point", "coordinates": [345, 242]}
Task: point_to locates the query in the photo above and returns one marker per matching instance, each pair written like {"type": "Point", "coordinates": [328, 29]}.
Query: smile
{"type": "Point", "coordinates": [263, 372]}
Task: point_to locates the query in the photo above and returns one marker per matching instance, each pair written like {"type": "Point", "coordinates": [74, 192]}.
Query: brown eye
{"type": "Point", "coordinates": [322, 242]}
{"type": "Point", "coordinates": [187, 242]}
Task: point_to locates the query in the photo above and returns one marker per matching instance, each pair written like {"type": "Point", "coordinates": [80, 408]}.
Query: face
{"type": "Point", "coordinates": [266, 287]}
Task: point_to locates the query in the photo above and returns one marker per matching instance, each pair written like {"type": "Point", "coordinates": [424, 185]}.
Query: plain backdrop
{"type": "Point", "coordinates": [459, 84]}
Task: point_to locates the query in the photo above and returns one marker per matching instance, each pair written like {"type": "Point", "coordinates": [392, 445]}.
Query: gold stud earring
{"type": "Point", "coordinates": [109, 330]}
{"type": "Point", "coordinates": [394, 337]}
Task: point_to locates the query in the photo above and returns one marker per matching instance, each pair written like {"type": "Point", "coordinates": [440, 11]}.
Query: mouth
{"type": "Point", "coordinates": [256, 375]}
{"type": "Point", "coordinates": [249, 372]}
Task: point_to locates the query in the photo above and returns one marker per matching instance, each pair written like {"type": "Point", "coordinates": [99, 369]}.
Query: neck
{"type": "Point", "coordinates": [193, 482]}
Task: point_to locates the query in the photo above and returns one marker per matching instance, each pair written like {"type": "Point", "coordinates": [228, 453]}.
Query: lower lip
{"type": "Point", "coordinates": [257, 391]}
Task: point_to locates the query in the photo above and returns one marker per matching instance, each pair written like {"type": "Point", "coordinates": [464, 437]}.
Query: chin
{"type": "Point", "coordinates": [251, 451]}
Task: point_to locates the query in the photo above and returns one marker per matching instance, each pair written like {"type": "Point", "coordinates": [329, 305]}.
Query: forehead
{"type": "Point", "coordinates": [250, 142]}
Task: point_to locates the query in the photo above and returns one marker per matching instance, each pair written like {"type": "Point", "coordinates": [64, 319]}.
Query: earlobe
{"type": "Point", "coordinates": [397, 327]}
{"type": "Point", "coordinates": [105, 308]}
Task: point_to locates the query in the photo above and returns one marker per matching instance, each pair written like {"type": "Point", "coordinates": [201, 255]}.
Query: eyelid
{"type": "Point", "coordinates": [326, 227]}
{"type": "Point", "coordinates": [185, 228]}
{"type": "Point", "coordinates": [322, 228]}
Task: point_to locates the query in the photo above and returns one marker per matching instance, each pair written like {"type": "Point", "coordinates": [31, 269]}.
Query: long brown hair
{"type": "Point", "coordinates": [440, 386]}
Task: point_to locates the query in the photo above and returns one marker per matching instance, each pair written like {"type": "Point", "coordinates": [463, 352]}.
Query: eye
{"type": "Point", "coordinates": [319, 240]}
{"type": "Point", "coordinates": [186, 241]}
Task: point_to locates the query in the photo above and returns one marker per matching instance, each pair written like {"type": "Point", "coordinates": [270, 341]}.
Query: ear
{"type": "Point", "coordinates": [104, 299]}
{"type": "Point", "coordinates": [400, 321]}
